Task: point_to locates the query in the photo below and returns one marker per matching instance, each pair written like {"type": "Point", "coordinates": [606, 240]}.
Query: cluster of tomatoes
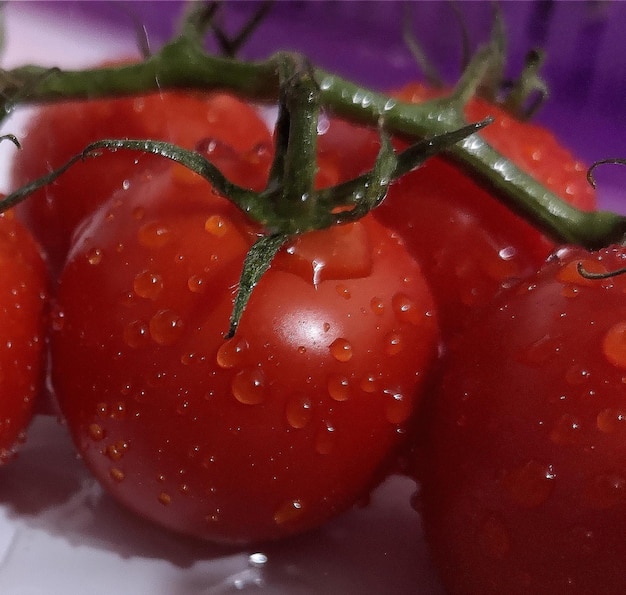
{"type": "Point", "coordinates": [418, 339]}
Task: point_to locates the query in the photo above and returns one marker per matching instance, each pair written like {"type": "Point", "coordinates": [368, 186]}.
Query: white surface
{"type": "Point", "coordinates": [60, 535]}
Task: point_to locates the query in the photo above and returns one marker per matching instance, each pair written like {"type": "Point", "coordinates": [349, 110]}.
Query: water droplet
{"type": "Point", "coordinates": [248, 386]}
{"type": "Point", "coordinates": [338, 387]}
{"type": "Point", "coordinates": [148, 285]}
{"type": "Point", "coordinates": [542, 351]}
{"type": "Point", "coordinates": [605, 491]}
{"type": "Point", "coordinates": [217, 226]}
{"type": "Point", "coordinates": [567, 430]}
{"type": "Point", "coordinates": [405, 310]}
{"type": "Point", "coordinates": [196, 284]}
{"type": "Point", "coordinates": [325, 439]}
{"type": "Point", "coordinates": [116, 450]}
{"type": "Point", "coordinates": [298, 411]}
{"type": "Point", "coordinates": [368, 383]}
{"type": "Point", "coordinates": [577, 375]}
{"type": "Point", "coordinates": [289, 512]}
{"type": "Point", "coordinates": [126, 184]}
{"type": "Point", "coordinates": [611, 420]}
{"type": "Point", "coordinates": [393, 343]}
{"type": "Point", "coordinates": [166, 327]}
{"type": "Point", "coordinates": [96, 432]}
{"type": "Point", "coordinates": [326, 327]}
{"type": "Point", "coordinates": [94, 256]}
{"type": "Point", "coordinates": [377, 306]}
{"type": "Point", "coordinates": [164, 498]}
{"type": "Point", "coordinates": [341, 350]}
{"type": "Point", "coordinates": [257, 559]}
{"type": "Point", "coordinates": [399, 408]}
{"type": "Point", "coordinates": [231, 352]}
{"type": "Point", "coordinates": [530, 484]}
{"type": "Point", "coordinates": [154, 235]}
{"type": "Point", "coordinates": [614, 345]}
{"type": "Point", "coordinates": [343, 291]}
{"type": "Point", "coordinates": [117, 475]}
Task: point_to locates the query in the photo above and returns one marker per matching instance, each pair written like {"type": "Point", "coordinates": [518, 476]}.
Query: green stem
{"type": "Point", "coordinates": [184, 64]}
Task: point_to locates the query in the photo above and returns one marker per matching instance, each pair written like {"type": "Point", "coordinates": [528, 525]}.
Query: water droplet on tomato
{"type": "Point", "coordinates": [577, 375]}
{"type": "Point", "coordinates": [96, 432]}
{"type": "Point", "coordinates": [606, 490]}
{"type": "Point", "coordinates": [393, 343]}
{"type": "Point", "coordinates": [154, 235]}
{"type": "Point", "coordinates": [614, 345]}
{"type": "Point", "coordinates": [117, 475]}
{"type": "Point", "coordinates": [94, 256]}
{"type": "Point", "coordinates": [341, 350]}
{"type": "Point", "coordinates": [530, 484]}
{"type": "Point", "coordinates": [338, 387]}
{"type": "Point", "coordinates": [399, 407]}
{"type": "Point", "coordinates": [566, 431]}
{"type": "Point", "coordinates": [116, 450]}
{"type": "Point", "coordinates": [217, 226]}
{"type": "Point", "coordinates": [326, 327]}
{"type": "Point", "coordinates": [343, 291]}
{"type": "Point", "coordinates": [405, 309]}
{"type": "Point", "coordinates": [611, 420]}
{"type": "Point", "coordinates": [166, 327]}
{"type": "Point", "coordinates": [377, 306]}
{"type": "Point", "coordinates": [298, 411]}
{"type": "Point", "coordinates": [542, 351]}
{"type": "Point", "coordinates": [196, 284]}
{"type": "Point", "coordinates": [164, 498]}
{"type": "Point", "coordinates": [231, 352]}
{"type": "Point", "coordinates": [368, 383]}
{"type": "Point", "coordinates": [289, 512]}
{"type": "Point", "coordinates": [148, 285]}
{"type": "Point", "coordinates": [248, 386]}
{"type": "Point", "coordinates": [257, 560]}
{"type": "Point", "coordinates": [325, 439]}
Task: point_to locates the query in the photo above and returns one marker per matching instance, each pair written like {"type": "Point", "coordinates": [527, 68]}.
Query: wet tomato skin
{"type": "Point", "coordinates": [524, 489]}
{"type": "Point", "coordinates": [23, 300]}
{"type": "Point", "coordinates": [256, 437]}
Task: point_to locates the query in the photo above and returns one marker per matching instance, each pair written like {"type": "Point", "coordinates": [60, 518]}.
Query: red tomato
{"type": "Point", "coordinates": [470, 246]}
{"type": "Point", "coordinates": [525, 486]}
{"type": "Point", "coordinates": [23, 288]}
{"type": "Point", "coordinates": [217, 124]}
{"type": "Point", "coordinates": [264, 435]}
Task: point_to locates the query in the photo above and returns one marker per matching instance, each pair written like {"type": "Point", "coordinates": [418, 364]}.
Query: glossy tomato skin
{"type": "Point", "coordinates": [23, 294]}
{"type": "Point", "coordinates": [470, 246]}
{"type": "Point", "coordinates": [524, 490]}
{"type": "Point", "coordinates": [271, 432]}
{"type": "Point", "coordinates": [217, 124]}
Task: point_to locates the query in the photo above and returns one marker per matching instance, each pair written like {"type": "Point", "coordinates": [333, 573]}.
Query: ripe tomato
{"type": "Point", "coordinates": [23, 289]}
{"type": "Point", "coordinates": [260, 436]}
{"type": "Point", "coordinates": [525, 482]}
{"type": "Point", "coordinates": [470, 246]}
{"type": "Point", "coordinates": [217, 124]}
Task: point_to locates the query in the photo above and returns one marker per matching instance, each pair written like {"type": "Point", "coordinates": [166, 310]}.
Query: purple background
{"type": "Point", "coordinates": [585, 43]}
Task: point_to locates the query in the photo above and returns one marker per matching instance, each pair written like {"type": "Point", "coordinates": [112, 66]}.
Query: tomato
{"type": "Point", "coordinates": [217, 124]}
{"type": "Point", "coordinates": [470, 246]}
{"type": "Point", "coordinates": [23, 290]}
{"type": "Point", "coordinates": [256, 437]}
{"type": "Point", "coordinates": [525, 483]}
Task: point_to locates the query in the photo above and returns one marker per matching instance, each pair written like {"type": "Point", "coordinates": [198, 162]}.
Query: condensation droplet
{"type": "Point", "coordinates": [338, 387]}
{"type": "Point", "coordinates": [217, 226]}
{"type": "Point", "coordinates": [614, 345]}
{"type": "Point", "coordinates": [289, 512]}
{"type": "Point", "coordinates": [154, 235]}
{"type": "Point", "coordinates": [231, 352]}
{"type": "Point", "coordinates": [611, 420]}
{"type": "Point", "coordinates": [325, 439]}
{"type": "Point", "coordinates": [404, 308]}
{"type": "Point", "coordinates": [368, 383]}
{"type": "Point", "coordinates": [393, 343]}
{"type": "Point", "coordinates": [116, 450]}
{"type": "Point", "coordinates": [148, 285]}
{"type": "Point", "coordinates": [164, 498]}
{"type": "Point", "coordinates": [166, 327]}
{"type": "Point", "coordinates": [606, 490]}
{"type": "Point", "coordinates": [398, 408]}
{"type": "Point", "coordinates": [248, 386]}
{"type": "Point", "coordinates": [566, 431]}
{"type": "Point", "coordinates": [530, 484]}
{"type": "Point", "coordinates": [341, 350]}
{"type": "Point", "coordinates": [96, 432]}
{"type": "Point", "coordinates": [257, 560]}
{"type": "Point", "coordinates": [298, 411]}
{"type": "Point", "coordinates": [377, 306]}
{"type": "Point", "coordinates": [117, 475]}
{"type": "Point", "coordinates": [94, 256]}
{"type": "Point", "coordinates": [196, 284]}
{"type": "Point", "coordinates": [343, 291]}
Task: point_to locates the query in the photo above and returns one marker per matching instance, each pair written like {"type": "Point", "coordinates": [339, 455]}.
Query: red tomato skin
{"type": "Point", "coordinates": [23, 298]}
{"type": "Point", "coordinates": [524, 482]}
{"type": "Point", "coordinates": [267, 434]}
{"type": "Point", "coordinates": [217, 124]}
{"type": "Point", "coordinates": [470, 246]}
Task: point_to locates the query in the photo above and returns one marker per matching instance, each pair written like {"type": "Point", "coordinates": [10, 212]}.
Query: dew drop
{"type": "Point", "coordinates": [166, 327]}
{"type": "Point", "coordinates": [248, 386]}
{"type": "Point", "coordinates": [566, 431]}
{"type": "Point", "coordinates": [154, 235]}
{"type": "Point", "coordinates": [116, 450]}
{"type": "Point", "coordinates": [257, 560]}
{"type": "Point", "coordinates": [325, 439]}
{"type": "Point", "coordinates": [614, 345]}
{"type": "Point", "coordinates": [231, 352]}
{"type": "Point", "coordinates": [377, 306]}
{"type": "Point", "coordinates": [404, 308]}
{"type": "Point", "coordinates": [530, 484]}
{"type": "Point", "coordinates": [326, 327]}
{"type": "Point", "coordinates": [148, 285]}
{"type": "Point", "coordinates": [368, 383]}
{"type": "Point", "coordinates": [298, 411]}
{"type": "Point", "coordinates": [399, 408]}
{"type": "Point", "coordinates": [393, 343]}
{"type": "Point", "coordinates": [611, 420]}
{"type": "Point", "coordinates": [341, 350]}
{"type": "Point", "coordinates": [338, 387]}
{"type": "Point", "coordinates": [117, 475]}
{"type": "Point", "coordinates": [94, 257]}
{"type": "Point", "coordinates": [164, 498]}
{"type": "Point", "coordinates": [289, 512]}
{"type": "Point", "coordinates": [607, 490]}
{"type": "Point", "coordinates": [343, 291]}
{"type": "Point", "coordinates": [196, 284]}
{"type": "Point", "coordinates": [217, 226]}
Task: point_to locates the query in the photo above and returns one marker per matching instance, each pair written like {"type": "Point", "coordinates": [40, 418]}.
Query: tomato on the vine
{"type": "Point", "coordinates": [470, 246]}
{"type": "Point", "coordinates": [217, 124]}
{"type": "Point", "coordinates": [23, 293]}
{"type": "Point", "coordinates": [263, 435]}
{"type": "Point", "coordinates": [524, 489]}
